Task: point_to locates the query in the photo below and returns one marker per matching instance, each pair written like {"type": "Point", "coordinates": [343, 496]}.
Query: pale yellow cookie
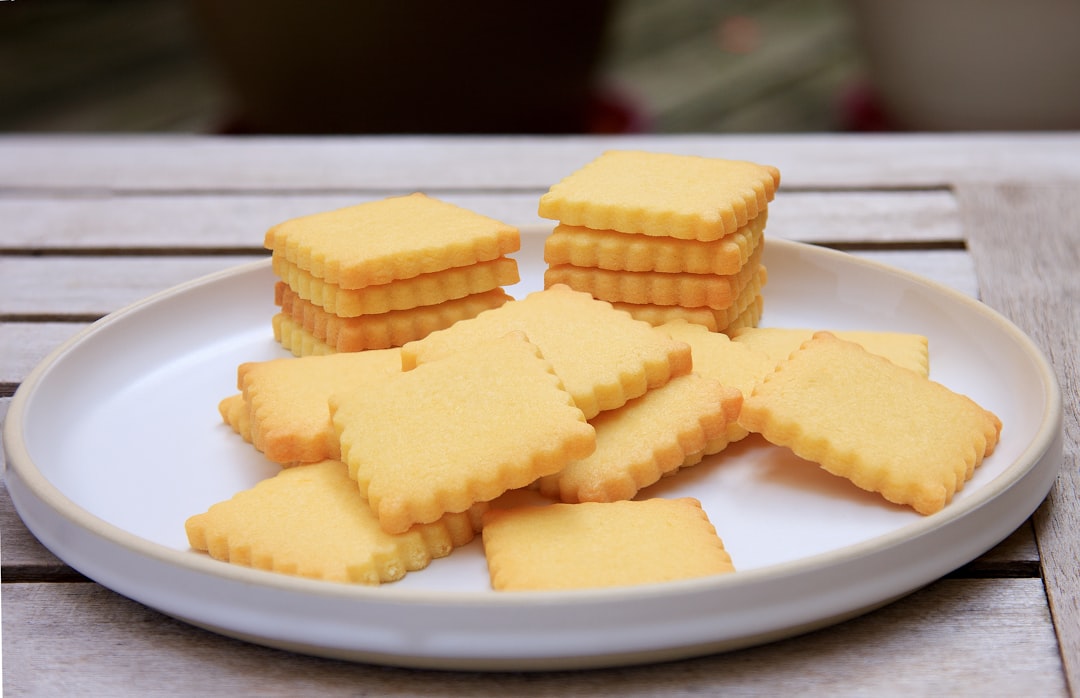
{"type": "Point", "coordinates": [902, 348]}
{"type": "Point", "coordinates": [732, 364]}
{"type": "Point", "coordinates": [604, 357]}
{"type": "Point", "coordinates": [658, 288]}
{"type": "Point", "coordinates": [750, 317]}
{"type": "Point", "coordinates": [710, 318]}
{"type": "Point", "coordinates": [234, 412]}
{"type": "Point", "coordinates": [601, 544]}
{"type": "Point", "coordinates": [311, 521]}
{"type": "Point", "coordinates": [287, 399]}
{"type": "Point", "coordinates": [391, 329]}
{"type": "Point", "coordinates": [647, 438]}
{"type": "Point", "coordinates": [423, 290]}
{"type": "Point", "coordinates": [395, 238]}
{"type": "Point", "coordinates": [680, 196]}
{"type": "Point", "coordinates": [459, 430]}
{"type": "Point", "coordinates": [609, 249]}
{"type": "Point", "coordinates": [886, 428]}
{"type": "Point", "coordinates": [292, 336]}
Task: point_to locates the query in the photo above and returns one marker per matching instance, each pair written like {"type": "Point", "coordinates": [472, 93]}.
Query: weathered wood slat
{"type": "Point", "coordinates": [202, 163]}
{"type": "Point", "coordinates": [24, 344]}
{"type": "Point", "coordinates": [88, 286]}
{"type": "Point", "coordinates": [231, 221]}
{"type": "Point", "coordinates": [996, 639]}
{"type": "Point", "coordinates": [1038, 287]}
{"type": "Point", "coordinates": [23, 558]}
{"type": "Point", "coordinates": [1017, 555]}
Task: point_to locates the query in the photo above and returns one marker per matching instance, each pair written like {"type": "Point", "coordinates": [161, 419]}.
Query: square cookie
{"type": "Point", "coordinates": [395, 238]}
{"type": "Point", "coordinates": [709, 318]}
{"type": "Point", "coordinates": [732, 364]}
{"type": "Point", "coordinates": [604, 357]}
{"type": "Point", "coordinates": [647, 438]}
{"type": "Point", "coordinates": [402, 294]}
{"type": "Point", "coordinates": [601, 544]}
{"type": "Point", "coordinates": [609, 249]}
{"type": "Point", "coordinates": [658, 288]}
{"type": "Point", "coordinates": [902, 348]}
{"type": "Point", "coordinates": [680, 196]}
{"type": "Point", "coordinates": [459, 430]}
{"type": "Point", "coordinates": [287, 400]}
{"type": "Point", "coordinates": [384, 330]}
{"type": "Point", "coordinates": [311, 521]}
{"type": "Point", "coordinates": [885, 428]}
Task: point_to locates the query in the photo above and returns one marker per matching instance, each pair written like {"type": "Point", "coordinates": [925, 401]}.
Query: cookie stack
{"type": "Point", "coordinates": [386, 272]}
{"type": "Point", "coordinates": [663, 236]}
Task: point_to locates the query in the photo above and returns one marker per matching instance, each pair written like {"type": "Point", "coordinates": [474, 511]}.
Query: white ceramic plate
{"type": "Point", "coordinates": [115, 440]}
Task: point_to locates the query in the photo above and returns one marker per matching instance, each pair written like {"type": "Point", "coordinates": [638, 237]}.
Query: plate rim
{"type": "Point", "coordinates": [31, 482]}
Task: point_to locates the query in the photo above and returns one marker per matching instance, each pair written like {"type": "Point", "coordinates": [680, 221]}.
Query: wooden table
{"type": "Point", "coordinates": [90, 224]}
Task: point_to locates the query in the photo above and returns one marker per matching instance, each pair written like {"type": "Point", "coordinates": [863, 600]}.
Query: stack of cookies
{"type": "Point", "coordinates": [387, 272]}
{"type": "Point", "coordinates": [663, 236]}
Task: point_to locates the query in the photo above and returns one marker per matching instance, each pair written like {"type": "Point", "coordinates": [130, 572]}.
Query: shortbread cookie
{"type": "Point", "coordinates": [385, 330]}
{"type": "Point", "coordinates": [658, 288]}
{"type": "Point", "coordinates": [604, 357]}
{"type": "Point", "coordinates": [750, 317]}
{"type": "Point", "coordinates": [886, 428]}
{"type": "Point", "coordinates": [710, 318]}
{"type": "Point", "coordinates": [732, 364]}
{"type": "Point", "coordinates": [312, 522]}
{"type": "Point", "coordinates": [423, 290]}
{"type": "Point", "coordinates": [292, 336]}
{"type": "Point", "coordinates": [395, 238]}
{"type": "Point", "coordinates": [680, 196]}
{"type": "Point", "coordinates": [902, 348]}
{"type": "Point", "coordinates": [608, 249]}
{"type": "Point", "coordinates": [459, 430]}
{"type": "Point", "coordinates": [647, 438]}
{"type": "Point", "coordinates": [234, 412]}
{"type": "Point", "coordinates": [287, 399]}
{"type": "Point", "coordinates": [601, 544]}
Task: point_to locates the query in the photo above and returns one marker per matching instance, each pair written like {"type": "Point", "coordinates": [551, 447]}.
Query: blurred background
{"type": "Point", "coordinates": [562, 66]}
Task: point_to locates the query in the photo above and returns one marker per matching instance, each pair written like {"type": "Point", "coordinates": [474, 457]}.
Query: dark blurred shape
{"type": "Point", "coordinates": [486, 66]}
{"type": "Point", "coordinates": [739, 34]}
{"type": "Point", "coordinates": [970, 64]}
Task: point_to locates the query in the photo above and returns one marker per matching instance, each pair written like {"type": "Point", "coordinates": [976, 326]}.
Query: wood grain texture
{"type": "Point", "coordinates": [188, 164]}
{"type": "Point", "coordinates": [222, 221]}
{"type": "Point", "coordinates": [957, 638]}
{"type": "Point", "coordinates": [93, 286]}
{"type": "Point", "coordinates": [23, 345]}
{"type": "Point", "coordinates": [1037, 285]}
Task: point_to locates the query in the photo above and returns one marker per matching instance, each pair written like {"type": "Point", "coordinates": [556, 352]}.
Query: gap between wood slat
{"type": "Point", "coordinates": [134, 252]}
{"type": "Point", "coordinates": [51, 317]}
{"type": "Point", "coordinates": [892, 246]}
{"type": "Point", "coordinates": [52, 574]}
{"type": "Point", "coordinates": [841, 245]}
{"type": "Point", "coordinates": [80, 192]}
{"type": "Point", "coordinates": [42, 574]}
{"type": "Point", "coordinates": [87, 192]}
{"type": "Point", "coordinates": [1019, 569]}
